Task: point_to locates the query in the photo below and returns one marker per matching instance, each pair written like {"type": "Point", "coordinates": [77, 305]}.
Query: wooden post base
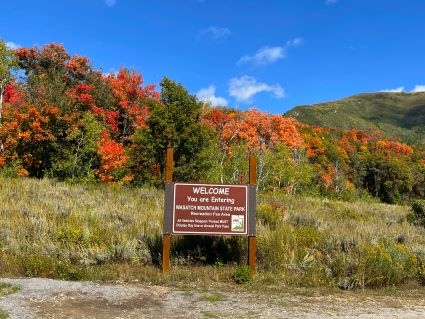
{"type": "Point", "coordinates": [252, 250]}
{"type": "Point", "coordinates": [166, 244]}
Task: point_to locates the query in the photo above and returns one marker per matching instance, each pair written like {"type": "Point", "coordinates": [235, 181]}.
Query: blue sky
{"type": "Point", "coordinates": [269, 54]}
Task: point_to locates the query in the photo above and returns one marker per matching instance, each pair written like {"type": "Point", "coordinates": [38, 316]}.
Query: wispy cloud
{"type": "Point", "coordinates": [396, 90]}
{"type": "Point", "coordinates": [110, 3]}
{"type": "Point", "coordinates": [244, 89]}
{"type": "Point", "coordinates": [269, 54]}
{"type": "Point", "coordinates": [416, 89]}
{"type": "Point", "coordinates": [13, 45]}
{"type": "Point", "coordinates": [419, 88]}
{"type": "Point", "coordinates": [330, 2]}
{"type": "Point", "coordinates": [215, 32]}
{"type": "Point", "coordinates": [294, 42]}
{"type": "Point", "coordinates": [208, 95]}
{"type": "Point", "coordinates": [264, 55]}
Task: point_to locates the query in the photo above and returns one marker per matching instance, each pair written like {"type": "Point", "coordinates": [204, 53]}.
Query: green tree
{"type": "Point", "coordinates": [282, 172]}
{"type": "Point", "coordinates": [79, 159]}
{"type": "Point", "coordinates": [174, 121]}
{"type": "Point", "coordinates": [419, 179]}
{"type": "Point", "coordinates": [388, 178]}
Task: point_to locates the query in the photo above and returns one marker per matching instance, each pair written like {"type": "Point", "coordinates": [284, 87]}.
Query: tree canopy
{"type": "Point", "coordinates": [67, 120]}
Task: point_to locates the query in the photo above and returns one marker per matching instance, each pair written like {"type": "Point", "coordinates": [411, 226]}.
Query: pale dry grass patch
{"type": "Point", "coordinates": [360, 221]}
{"type": "Point", "coordinates": [347, 244]}
{"type": "Point", "coordinates": [49, 228]}
{"type": "Point", "coordinates": [85, 224]}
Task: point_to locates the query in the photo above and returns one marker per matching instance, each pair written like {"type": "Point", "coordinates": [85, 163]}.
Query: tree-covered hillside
{"type": "Point", "coordinates": [62, 118]}
{"type": "Point", "coordinates": [398, 116]}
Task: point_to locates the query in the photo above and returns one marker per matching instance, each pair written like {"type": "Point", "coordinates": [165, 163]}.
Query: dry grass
{"type": "Point", "coordinates": [68, 231]}
{"type": "Point", "coordinates": [316, 241]}
{"type": "Point", "coordinates": [86, 225]}
{"type": "Point", "coordinates": [346, 221]}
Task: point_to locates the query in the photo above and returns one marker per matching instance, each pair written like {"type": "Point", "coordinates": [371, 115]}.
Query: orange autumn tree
{"type": "Point", "coordinates": [67, 120]}
{"type": "Point", "coordinates": [127, 111]}
{"type": "Point", "coordinates": [89, 103]}
{"type": "Point", "coordinates": [259, 132]}
{"type": "Point", "coordinates": [130, 101]}
{"type": "Point", "coordinates": [50, 75]}
{"type": "Point", "coordinates": [26, 133]}
{"type": "Point", "coordinates": [113, 161]}
{"type": "Point", "coordinates": [393, 148]}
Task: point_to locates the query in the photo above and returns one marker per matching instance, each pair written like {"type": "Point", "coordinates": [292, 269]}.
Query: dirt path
{"type": "Point", "coordinates": [46, 298]}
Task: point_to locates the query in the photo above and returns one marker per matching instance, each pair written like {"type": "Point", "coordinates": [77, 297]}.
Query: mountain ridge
{"type": "Point", "coordinates": [399, 116]}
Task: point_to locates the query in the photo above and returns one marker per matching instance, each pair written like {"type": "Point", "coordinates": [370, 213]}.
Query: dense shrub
{"type": "Point", "coordinates": [417, 213]}
{"type": "Point", "coordinates": [385, 265]}
{"type": "Point", "coordinates": [242, 275]}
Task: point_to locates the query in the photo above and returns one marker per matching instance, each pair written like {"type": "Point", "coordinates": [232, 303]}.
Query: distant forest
{"type": "Point", "coordinates": [61, 118]}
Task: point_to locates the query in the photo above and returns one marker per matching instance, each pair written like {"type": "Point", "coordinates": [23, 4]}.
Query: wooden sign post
{"type": "Point", "coordinates": [209, 209]}
{"type": "Point", "coordinates": [252, 245]}
{"type": "Point", "coordinates": [166, 238]}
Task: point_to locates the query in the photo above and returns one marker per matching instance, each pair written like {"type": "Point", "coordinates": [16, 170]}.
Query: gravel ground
{"type": "Point", "coordinates": [46, 298]}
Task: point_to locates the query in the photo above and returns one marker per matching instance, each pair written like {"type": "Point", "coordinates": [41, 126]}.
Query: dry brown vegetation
{"type": "Point", "coordinates": [54, 229]}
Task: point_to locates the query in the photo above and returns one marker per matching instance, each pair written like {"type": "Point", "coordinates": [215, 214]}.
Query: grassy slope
{"type": "Point", "coordinates": [66, 231]}
{"type": "Point", "coordinates": [397, 115]}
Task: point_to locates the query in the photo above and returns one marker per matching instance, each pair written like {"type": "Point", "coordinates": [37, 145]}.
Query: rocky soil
{"type": "Point", "coordinates": [46, 298]}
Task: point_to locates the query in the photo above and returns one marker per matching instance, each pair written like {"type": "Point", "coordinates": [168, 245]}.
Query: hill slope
{"type": "Point", "coordinates": [397, 115]}
{"type": "Point", "coordinates": [94, 232]}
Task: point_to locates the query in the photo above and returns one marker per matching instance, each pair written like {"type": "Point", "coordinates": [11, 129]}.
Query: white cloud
{"type": "Point", "coordinates": [215, 32]}
{"type": "Point", "coordinates": [419, 88]}
{"type": "Point", "coordinates": [268, 54]}
{"type": "Point", "coordinates": [208, 95]}
{"type": "Point", "coordinates": [416, 89]}
{"type": "Point", "coordinates": [294, 42]}
{"type": "Point", "coordinates": [396, 90]}
{"type": "Point", "coordinates": [329, 2]}
{"type": "Point", "coordinates": [243, 89]}
{"type": "Point", "coordinates": [264, 55]}
{"type": "Point", "coordinates": [110, 3]}
{"type": "Point", "coordinates": [112, 72]}
{"type": "Point", "coordinates": [12, 45]}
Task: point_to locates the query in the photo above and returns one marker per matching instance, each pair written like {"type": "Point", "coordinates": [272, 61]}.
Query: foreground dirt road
{"type": "Point", "coordinates": [46, 298]}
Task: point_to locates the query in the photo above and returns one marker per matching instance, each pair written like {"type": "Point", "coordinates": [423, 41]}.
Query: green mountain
{"type": "Point", "coordinates": [398, 116]}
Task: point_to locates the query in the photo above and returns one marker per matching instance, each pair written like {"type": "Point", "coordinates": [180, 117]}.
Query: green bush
{"type": "Point", "coordinates": [419, 251]}
{"type": "Point", "coordinates": [36, 266]}
{"type": "Point", "coordinates": [417, 213]}
{"type": "Point", "coordinates": [242, 275]}
{"type": "Point", "coordinates": [385, 265]}
{"type": "Point", "coordinates": [343, 266]}
{"type": "Point", "coordinates": [65, 270]}
{"type": "Point", "coordinates": [269, 215]}
{"type": "Point", "coordinates": [3, 315]}
{"type": "Point", "coordinates": [306, 237]}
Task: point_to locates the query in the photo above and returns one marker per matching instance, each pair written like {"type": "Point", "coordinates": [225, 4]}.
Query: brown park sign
{"type": "Point", "coordinates": [210, 209]}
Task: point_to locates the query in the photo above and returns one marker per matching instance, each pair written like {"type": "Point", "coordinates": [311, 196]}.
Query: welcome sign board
{"type": "Point", "coordinates": [210, 209]}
